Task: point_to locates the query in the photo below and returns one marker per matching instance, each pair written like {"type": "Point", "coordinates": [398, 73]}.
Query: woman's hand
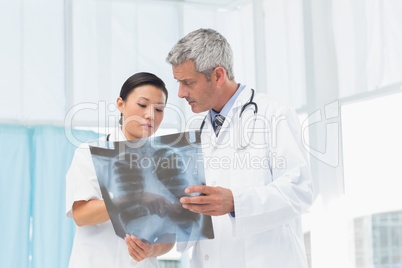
{"type": "Point", "coordinates": [139, 250]}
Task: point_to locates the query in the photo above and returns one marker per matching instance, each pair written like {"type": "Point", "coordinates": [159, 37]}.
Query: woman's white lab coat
{"type": "Point", "coordinates": [95, 245]}
{"type": "Point", "coordinates": [271, 185]}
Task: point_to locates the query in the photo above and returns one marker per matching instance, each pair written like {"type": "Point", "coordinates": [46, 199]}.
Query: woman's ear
{"type": "Point", "coordinates": [120, 104]}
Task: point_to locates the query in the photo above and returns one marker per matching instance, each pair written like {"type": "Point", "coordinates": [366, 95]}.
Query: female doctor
{"type": "Point", "coordinates": [141, 103]}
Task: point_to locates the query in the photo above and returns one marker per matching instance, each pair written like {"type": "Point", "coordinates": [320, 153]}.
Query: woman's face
{"type": "Point", "coordinates": [142, 111]}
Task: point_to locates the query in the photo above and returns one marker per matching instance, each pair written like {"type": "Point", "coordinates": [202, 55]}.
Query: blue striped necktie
{"type": "Point", "coordinates": [218, 122]}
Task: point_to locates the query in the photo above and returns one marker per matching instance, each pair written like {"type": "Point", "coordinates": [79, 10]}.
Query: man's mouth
{"type": "Point", "coordinates": [191, 102]}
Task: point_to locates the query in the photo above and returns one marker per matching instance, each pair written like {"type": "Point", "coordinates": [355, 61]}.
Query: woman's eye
{"type": "Point", "coordinates": [142, 105]}
{"type": "Point", "coordinates": [159, 110]}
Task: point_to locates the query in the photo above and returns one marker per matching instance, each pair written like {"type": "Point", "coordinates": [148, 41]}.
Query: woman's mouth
{"type": "Point", "coordinates": [146, 126]}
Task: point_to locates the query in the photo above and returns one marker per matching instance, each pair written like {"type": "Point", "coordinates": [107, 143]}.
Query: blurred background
{"type": "Point", "coordinates": [337, 62]}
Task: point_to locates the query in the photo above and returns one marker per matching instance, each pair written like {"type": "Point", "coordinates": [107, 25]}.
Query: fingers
{"type": "Point", "coordinates": [211, 195]}
{"type": "Point", "coordinates": [137, 249]}
{"type": "Point", "coordinates": [217, 201]}
{"type": "Point", "coordinates": [199, 189]}
{"type": "Point", "coordinates": [196, 200]}
{"type": "Point", "coordinates": [207, 209]}
{"type": "Point", "coordinates": [133, 249]}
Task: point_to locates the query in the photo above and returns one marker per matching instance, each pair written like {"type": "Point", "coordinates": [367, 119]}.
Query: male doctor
{"type": "Point", "coordinates": [258, 182]}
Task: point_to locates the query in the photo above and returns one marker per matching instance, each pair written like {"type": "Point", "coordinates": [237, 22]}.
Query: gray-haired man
{"type": "Point", "coordinates": [257, 174]}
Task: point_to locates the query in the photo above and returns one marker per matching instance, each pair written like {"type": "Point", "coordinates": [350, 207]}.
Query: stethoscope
{"type": "Point", "coordinates": [243, 108]}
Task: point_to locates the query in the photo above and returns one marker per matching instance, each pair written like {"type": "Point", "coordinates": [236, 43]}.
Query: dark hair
{"type": "Point", "coordinates": [141, 79]}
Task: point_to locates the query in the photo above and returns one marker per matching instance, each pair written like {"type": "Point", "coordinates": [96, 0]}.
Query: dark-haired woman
{"type": "Point", "coordinates": [141, 103]}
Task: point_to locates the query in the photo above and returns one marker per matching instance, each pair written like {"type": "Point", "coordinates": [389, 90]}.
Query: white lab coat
{"type": "Point", "coordinates": [272, 188]}
{"type": "Point", "coordinates": [95, 245]}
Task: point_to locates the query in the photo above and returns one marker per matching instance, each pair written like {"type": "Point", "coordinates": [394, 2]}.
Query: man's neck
{"type": "Point", "coordinates": [229, 89]}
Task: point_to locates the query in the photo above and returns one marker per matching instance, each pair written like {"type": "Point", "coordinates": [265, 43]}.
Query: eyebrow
{"type": "Point", "coordinates": [184, 80]}
{"type": "Point", "coordinates": [148, 100]}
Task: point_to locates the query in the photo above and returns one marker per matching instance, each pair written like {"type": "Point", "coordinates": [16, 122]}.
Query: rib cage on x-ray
{"type": "Point", "coordinates": [142, 185]}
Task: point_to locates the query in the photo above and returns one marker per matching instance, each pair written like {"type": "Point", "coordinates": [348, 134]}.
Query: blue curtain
{"type": "Point", "coordinates": [15, 195]}
{"type": "Point", "coordinates": [34, 229]}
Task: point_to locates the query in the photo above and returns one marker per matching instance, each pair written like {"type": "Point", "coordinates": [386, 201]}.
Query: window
{"type": "Point", "coordinates": [372, 147]}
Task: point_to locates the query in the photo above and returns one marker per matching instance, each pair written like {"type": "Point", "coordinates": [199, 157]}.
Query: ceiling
{"type": "Point", "coordinates": [227, 4]}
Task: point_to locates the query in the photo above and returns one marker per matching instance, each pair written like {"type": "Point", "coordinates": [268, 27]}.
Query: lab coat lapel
{"type": "Point", "coordinates": [233, 114]}
{"type": "Point", "coordinates": [207, 136]}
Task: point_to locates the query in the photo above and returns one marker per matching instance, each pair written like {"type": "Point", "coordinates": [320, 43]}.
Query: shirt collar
{"type": "Point", "coordinates": [225, 110]}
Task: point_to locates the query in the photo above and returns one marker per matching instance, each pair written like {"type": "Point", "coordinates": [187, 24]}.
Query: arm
{"type": "Point", "coordinates": [285, 194]}
{"type": "Point", "coordinates": [89, 212]}
{"type": "Point", "coordinates": [82, 185]}
{"type": "Point", "coordinates": [140, 250]}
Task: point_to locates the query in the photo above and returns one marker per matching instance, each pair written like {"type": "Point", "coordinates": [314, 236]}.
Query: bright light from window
{"type": "Point", "coordinates": [372, 147]}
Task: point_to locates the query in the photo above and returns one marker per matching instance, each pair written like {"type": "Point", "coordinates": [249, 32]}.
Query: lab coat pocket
{"type": "Point", "coordinates": [250, 168]}
{"type": "Point", "coordinates": [273, 247]}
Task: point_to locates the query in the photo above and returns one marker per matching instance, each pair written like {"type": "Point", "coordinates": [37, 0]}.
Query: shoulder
{"type": "Point", "coordinates": [84, 148]}
{"type": "Point", "coordinates": [272, 105]}
{"type": "Point", "coordinates": [81, 155]}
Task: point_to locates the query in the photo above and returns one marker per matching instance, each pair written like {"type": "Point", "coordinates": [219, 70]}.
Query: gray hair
{"type": "Point", "coordinates": [207, 48]}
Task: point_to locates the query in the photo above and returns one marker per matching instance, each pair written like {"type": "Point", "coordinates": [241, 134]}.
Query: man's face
{"type": "Point", "coordinates": [195, 88]}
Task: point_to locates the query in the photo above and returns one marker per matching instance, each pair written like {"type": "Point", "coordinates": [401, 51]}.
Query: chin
{"type": "Point", "coordinates": [147, 134]}
{"type": "Point", "coordinates": [198, 109]}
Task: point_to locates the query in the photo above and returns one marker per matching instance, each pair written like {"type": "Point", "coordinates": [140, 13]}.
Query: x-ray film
{"type": "Point", "coordinates": [142, 181]}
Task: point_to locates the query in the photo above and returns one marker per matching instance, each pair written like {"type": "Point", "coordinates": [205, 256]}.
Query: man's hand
{"type": "Point", "coordinates": [216, 201]}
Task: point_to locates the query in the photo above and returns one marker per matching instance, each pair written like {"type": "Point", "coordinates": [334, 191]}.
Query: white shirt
{"type": "Point", "coordinates": [95, 245]}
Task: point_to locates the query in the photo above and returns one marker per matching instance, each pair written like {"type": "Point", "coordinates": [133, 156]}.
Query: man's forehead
{"type": "Point", "coordinates": [184, 71]}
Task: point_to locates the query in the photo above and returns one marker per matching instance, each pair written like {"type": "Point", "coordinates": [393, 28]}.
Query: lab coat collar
{"type": "Point", "coordinates": [208, 132]}
{"type": "Point", "coordinates": [117, 135]}
{"type": "Point", "coordinates": [242, 99]}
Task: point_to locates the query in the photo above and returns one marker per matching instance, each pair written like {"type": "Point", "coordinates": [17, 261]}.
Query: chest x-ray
{"type": "Point", "coordinates": [142, 181]}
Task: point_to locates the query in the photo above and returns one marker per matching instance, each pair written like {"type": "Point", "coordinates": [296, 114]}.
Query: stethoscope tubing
{"type": "Point", "coordinates": [250, 102]}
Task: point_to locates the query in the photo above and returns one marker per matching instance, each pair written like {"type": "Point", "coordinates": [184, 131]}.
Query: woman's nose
{"type": "Point", "coordinates": [149, 113]}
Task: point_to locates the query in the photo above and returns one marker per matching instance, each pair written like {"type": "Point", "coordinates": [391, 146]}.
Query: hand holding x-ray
{"type": "Point", "coordinates": [214, 201]}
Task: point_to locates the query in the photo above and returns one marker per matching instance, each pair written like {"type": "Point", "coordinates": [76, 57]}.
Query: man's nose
{"type": "Point", "coordinates": [183, 93]}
